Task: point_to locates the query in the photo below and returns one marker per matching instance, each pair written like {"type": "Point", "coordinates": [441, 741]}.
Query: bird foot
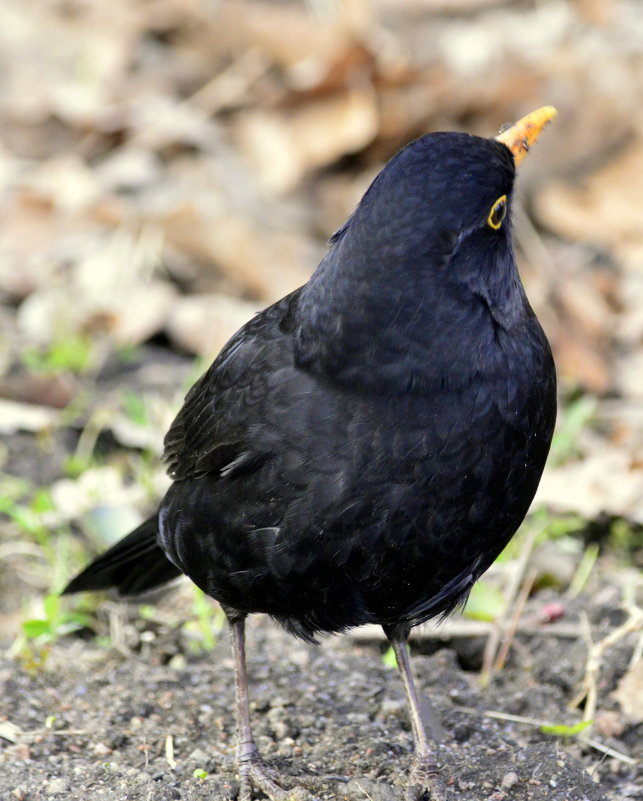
{"type": "Point", "coordinates": [254, 772]}
{"type": "Point", "coordinates": [425, 782]}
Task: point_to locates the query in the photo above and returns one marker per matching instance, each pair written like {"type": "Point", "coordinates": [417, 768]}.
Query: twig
{"type": "Point", "coordinates": [637, 653]}
{"type": "Point", "coordinates": [605, 749]}
{"type": "Point", "coordinates": [490, 650]}
{"type": "Point", "coordinates": [9, 549]}
{"type": "Point", "coordinates": [518, 609]}
{"type": "Point", "coordinates": [596, 651]}
{"type": "Point", "coordinates": [169, 751]}
{"type": "Point", "coordinates": [116, 618]}
{"type": "Point", "coordinates": [583, 571]}
{"type": "Point", "coordinates": [513, 591]}
{"type": "Point", "coordinates": [536, 722]}
{"type": "Point", "coordinates": [458, 628]}
{"type": "Point", "coordinates": [14, 734]}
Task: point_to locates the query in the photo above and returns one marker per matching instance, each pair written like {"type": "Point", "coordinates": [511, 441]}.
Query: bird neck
{"type": "Point", "coordinates": [430, 326]}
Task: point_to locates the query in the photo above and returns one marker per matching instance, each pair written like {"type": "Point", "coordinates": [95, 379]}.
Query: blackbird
{"type": "Point", "coordinates": [363, 449]}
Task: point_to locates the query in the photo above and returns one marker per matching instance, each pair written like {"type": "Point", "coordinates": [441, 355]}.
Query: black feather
{"type": "Point", "coordinates": [364, 448]}
{"type": "Point", "coordinates": [120, 566]}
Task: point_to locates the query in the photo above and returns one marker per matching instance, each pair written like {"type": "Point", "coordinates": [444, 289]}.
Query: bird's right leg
{"type": "Point", "coordinates": [252, 769]}
{"type": "Point", "coordinates": [425, 781]}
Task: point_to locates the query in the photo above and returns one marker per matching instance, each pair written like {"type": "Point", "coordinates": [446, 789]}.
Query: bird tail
{"type": "Point", "coordinates": [133, 565]}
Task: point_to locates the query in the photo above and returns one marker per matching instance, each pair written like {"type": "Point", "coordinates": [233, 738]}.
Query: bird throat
{"type": "Point", "coordinates": [413, 340]}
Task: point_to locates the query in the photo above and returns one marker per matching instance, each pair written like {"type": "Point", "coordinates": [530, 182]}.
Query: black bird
{"type": "Point", "coordinates": [362, 450]}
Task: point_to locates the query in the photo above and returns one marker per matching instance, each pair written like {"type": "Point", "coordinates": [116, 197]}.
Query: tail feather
{"type": "Point", "coordinates": [133, 565]}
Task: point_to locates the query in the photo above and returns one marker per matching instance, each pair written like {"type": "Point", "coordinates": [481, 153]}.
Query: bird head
{"type": "Point", "coordinates": [426, 253]}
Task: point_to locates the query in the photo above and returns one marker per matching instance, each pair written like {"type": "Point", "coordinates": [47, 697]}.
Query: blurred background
{"type": "Point", "coordinates": [169, 167]}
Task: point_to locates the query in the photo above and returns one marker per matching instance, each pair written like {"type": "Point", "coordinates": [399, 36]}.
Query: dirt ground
{"type": "Point", "coordinates": [169, 167]}
{"type": "Point", "coordinates": [97, 724]}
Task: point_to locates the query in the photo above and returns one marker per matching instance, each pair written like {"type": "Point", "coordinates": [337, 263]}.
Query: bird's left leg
{"type": "Point", "coordinates": [252, 769]}
{"type": "Point", "coordinates": [425, 781]}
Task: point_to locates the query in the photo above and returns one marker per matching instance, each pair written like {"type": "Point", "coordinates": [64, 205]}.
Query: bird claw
{"type": "Point", "coordinates": [425, 783]}
{"type": "Point", "coordinates": [255, 773]}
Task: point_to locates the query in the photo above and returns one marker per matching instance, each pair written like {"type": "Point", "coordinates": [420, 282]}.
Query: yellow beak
{"type": "Point", "coordinates": [522, 134]}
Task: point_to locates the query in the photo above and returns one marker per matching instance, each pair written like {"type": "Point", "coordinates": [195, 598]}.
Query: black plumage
{"type": "Point", "coordinates": [362, 450]}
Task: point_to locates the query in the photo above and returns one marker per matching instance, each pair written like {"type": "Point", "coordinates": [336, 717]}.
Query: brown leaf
{"type": "Point", "coordinates": [203, 323]}
{"type": "Point", "coordinates": [264, 263]}
{"type": "Point", "coordinates": [629, 693]}
{"type": "Point", "coordinates": [604, 481]}
{"type": "Point", "coordinates": [283, 147]}
{"type": "Point", "coordinates": [605, 210]}
{"type": "Point", "coordinates": [16, 416]}
{"type": "Point", "coordinates": [44, 390]}
{"type": "Point", "coordinates": [287, 35]}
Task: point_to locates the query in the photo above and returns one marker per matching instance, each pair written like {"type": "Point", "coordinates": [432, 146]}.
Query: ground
{"type": "Point", "coordinates": [158, 723]}
{"type": "Point", "coordinates": [169, 167]}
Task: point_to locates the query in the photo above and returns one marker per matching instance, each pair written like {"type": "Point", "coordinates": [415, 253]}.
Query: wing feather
{"type": "Point", "coordinates": [210, 432]}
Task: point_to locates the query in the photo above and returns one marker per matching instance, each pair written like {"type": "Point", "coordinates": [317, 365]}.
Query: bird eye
{"type": "Point", "coordinates": [497, 213]}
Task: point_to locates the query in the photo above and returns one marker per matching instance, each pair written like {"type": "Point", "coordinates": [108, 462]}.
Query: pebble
{"type": "Point", "coordinates": [178, 663]}
{"type": "Point", "coordinates": [280, 729]}
{"type": "Point", "coordinates": [57, 786]}
{"type": "Point", "coordinates": [359, 789]}
{"type": "Point", "coordinates": [198, 755]}
{"type": "Point", "coordinates": [300, 657]}
{"type": "Point", "coordinates": [278, 702]}
{"type": "Point", "coordinates": [357, 717]}
{"type": "Point", "coordinates": [609, 723]}
{"type": "Point", "coordinates": [392, 706]}
{"type": "Point", "coordinates": [509, 780]}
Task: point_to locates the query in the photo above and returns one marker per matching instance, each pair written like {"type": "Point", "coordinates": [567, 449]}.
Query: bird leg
{"type": "Point", "coordinates": [425, 781]}
{"type": "Point", "coordinates": [252, 769]}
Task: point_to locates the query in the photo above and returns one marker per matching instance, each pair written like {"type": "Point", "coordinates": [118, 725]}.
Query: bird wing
{"type": "Point", "coordinates": [210, 432]}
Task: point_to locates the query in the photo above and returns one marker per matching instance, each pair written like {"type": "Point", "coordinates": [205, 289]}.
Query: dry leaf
{"type": "Point", "coordinates": [43, 390]}
{"type": "Point", "coordinates": [629, 693]}
{"type": "Point", "coordinates": [203, 323]}
{"type": "Point", "coordinates": [282, 148]}
{"type": "Point", "coordinates": [264, 263]}
{"type": "Point", "coordinates": [16, 416]}
{"type": "Point", "coordinates": [142, 313]}
{"type": "Point", "coordinates": [606, 481]}
{"type": "Point", "coordinates": [605, 210]}
{"type": "Point", "coordinates": [287, 35]}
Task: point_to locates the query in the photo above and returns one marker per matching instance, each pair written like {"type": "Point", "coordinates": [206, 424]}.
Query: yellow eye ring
{"type": "Point", "coordinates": [497, 213]}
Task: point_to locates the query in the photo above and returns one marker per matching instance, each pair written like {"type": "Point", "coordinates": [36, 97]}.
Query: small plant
{"type": "Point", "coordinates": [389, 659]}
{"type": "Point", "coordinates": [127, 353]}
{"type": "Point", "coordinates": [574, 418]}
{"type": "Point", "coordinates": [207, 622]}
{"type": "Point", "coordinates": [38, 634]}
{"type": "Point", "coordinates": [84, 456]}
{"type": "Point", "coordinates": [27, 514]}
{"type": "Point", "coordinates": [485, 602]}
{"type": "Point", "coordinates": [561, 730]}
{"type": "Point", "coordinates": [55, 623]}
{"type": "Point", "coordinates": [135, 408]}
{"type": "Point", "coordinates": [625, 537]}
{"type": "Point", "coordinates": [70, 352]}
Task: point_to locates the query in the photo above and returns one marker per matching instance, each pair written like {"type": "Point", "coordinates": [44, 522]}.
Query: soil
{"type": "Point", "coordinates": [183, 161]}
{"type": "Point", "coordinates": [158, 724]}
